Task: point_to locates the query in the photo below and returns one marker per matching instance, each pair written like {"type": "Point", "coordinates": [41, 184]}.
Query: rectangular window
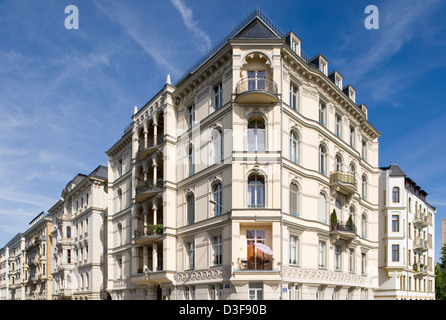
{"type": "Point", "coordinates": [338, 126]}
{"type": "Point", "coordinates": [352, 137]}
{"type": "Point", "coordinates": [293, 96]}
{"type": "Point", "coordinates": [363, 264]}
{"type": "Point", "coordinates": [395, 223]}
{"type": "Point", "coordinates": [190, 115]}
{"type": "Point", "coordinates": [395, 253]}
{"type": "Point", "coordinates": [190, 249]}
{"type": "Point", "coordinates": [218, 94]}
{"type": "Point", "coordinates": [364, 151]}
{"type": "Point", "coordinates": [217, 252]}
{"type": "Point", "coordinates": [294, 246]}
{"type": "Point", "coordinates": [255, 291]}
{"type": "Point", "coordinates": [338, 251]}
{"type": "Point", "coordinates": [322, 254]}
{"type": "Point", "coordinates": [351, 260]}
{"type": "Point", "coordinates": [322, 113]}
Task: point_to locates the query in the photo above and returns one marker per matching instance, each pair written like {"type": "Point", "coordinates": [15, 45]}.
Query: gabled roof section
{"type": "Point", "coordinates": [261, 26]}
{"type": "Point", "coordinates": [257, 30]}
{"type": "Point", "coordinates": [394, 170]}
{"type": "Point", "coordinates": [100, 172]}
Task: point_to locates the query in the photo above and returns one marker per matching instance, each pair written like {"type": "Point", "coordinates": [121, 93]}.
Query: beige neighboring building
{"type": "Point", "coordinates": [13, 273]}
{"type": "Point", "coordinates": [406, 239]}
{"type": "Point", "coordinates": [37, 268]}
{"type": "Point", "coordinates": [78, 238]}
{"type": "Point", "coordinates": [224, 184]}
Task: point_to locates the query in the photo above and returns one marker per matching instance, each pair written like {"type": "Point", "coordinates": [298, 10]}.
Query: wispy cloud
{"type": "Point", "coordinates": [400, 22]}
{"type": "Point", "coordinates": [140, 32]}
{"type": "Point", "coordinates": [192, 25]}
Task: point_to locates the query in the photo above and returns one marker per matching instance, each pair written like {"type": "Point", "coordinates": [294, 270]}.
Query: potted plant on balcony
{"type": "Point", "coordinates": [334, 220]}
{"type": "Point", "coordinates": [350, 223]}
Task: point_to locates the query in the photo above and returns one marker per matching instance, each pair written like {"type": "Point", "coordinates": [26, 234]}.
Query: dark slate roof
{"type": "Point", "coordinates": [100, 172]}
{"type": "Point", "coordinates": [395, 170]}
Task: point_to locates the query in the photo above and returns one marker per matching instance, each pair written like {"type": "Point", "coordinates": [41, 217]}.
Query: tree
{"type": "Point", "coordinates": [440, 277]}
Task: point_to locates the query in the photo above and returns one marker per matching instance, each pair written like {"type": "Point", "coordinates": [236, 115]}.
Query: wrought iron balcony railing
{"type": "Point", "coordinates": [149, 186]}
{"type": "Point", "coordinates": [256, 264]}
{"type": "Point", "coordinates": [259, 84]}
{"type": "Point", "coordinates": [343, 177]}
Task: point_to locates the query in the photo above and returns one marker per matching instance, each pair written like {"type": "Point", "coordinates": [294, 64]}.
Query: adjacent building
{"type": "Point", "coordinates": [406, 238]}
{"type": "Point", "coordinates": [37, 278]}
{"type": "Point", "coordinates": [15, 276]}
{"type": "Point", "coordinates": [254, 177]}
{"type": "Point", "coordinates": [79, 239]}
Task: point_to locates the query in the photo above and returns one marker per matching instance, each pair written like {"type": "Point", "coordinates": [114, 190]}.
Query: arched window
{"type": "Point", "coordinates": [217, 193]}
{"type": "Point", "coordinates": [256, 191]}
{"type": "Point", "coordinates": [256, 135]}
{"type": "Point", "coordinates": [322, 208]}
{"type": "Point", "coordinates": [190, 209]}
{"type": "Point", "coordinates": [396, 194]}
{"type": "Point", "coordinates": [364, 187]}
{"type": "Point", "coordinates": [217, 146]}
{"type": "Point", "coordinates": [191, 159]}
{"type": "Point", "coordinates": [338, 163]}
{"type": "Point", "coordinates": [294, 145]}
{"type": "Point", "coordinates": [353, 214]}
{"type": "Point", "coordinates": [294, 199]}
{"type": "Point", "coordinates": [322, 159]}
{"type": "Point", "coordinates": [352, 168]}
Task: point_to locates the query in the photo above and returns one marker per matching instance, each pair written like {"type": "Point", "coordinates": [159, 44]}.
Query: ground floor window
{"type": "Point", "coordinates": [255, 291]}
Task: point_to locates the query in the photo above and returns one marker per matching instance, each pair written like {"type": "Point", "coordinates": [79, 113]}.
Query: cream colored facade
{"type": "Point", "coordinates": [13, 276]}
{"type": "Point", "coordinates": [407, 239]}
{"type": "Point", "coordinates": [79, 239]}
{"type": "Point", "coordinates": [250, 152]}
{"type": "Point", "coordinates": [37, 279]}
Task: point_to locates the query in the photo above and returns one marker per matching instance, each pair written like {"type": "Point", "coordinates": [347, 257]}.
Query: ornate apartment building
{"type": "Point", "coordinates": [37, 279]}
{"type": "Point", "coordinates": [78, 238]}
{"type": "Point", "coordinates": [255, 176]}
{"type": "Point", "coordinates": [11, 269]}
{"type": "Point", "coordinates": [406, 234]}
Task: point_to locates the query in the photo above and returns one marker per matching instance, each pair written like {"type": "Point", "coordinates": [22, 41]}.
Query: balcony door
{"type": "Point", "coordinates": [256, 80]}
{"type": "Point", "coordinates": [256, 258]}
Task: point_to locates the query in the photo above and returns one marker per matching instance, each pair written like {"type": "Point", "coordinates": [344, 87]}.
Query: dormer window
{"type": "Point", "coordinates": [320, 63]}
{"type": "Point", "coordinates": [336, 78]}
{"type": "Point", "coordinates": [350, 92]}
{"type": "Point", "coordinates": [294, 42]}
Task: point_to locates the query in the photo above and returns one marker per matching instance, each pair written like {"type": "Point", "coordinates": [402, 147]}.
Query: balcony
{"type": "Point", "coordinates": [343, 231]}
{"type": "Point", "coordinates": [256, 264]}
{"type": "Point", "coordinates": [148, 234]}
{"type": "Point", "coordinates": [148, 189]}
{"type": "Point", "coordinates": [420, 269]}
{"type": "Point", "coordinates": [420, 244]}
{"type": "Point", "coordinates": [258, 90]}
{"type": "Point", "coordinates": [420, 219]}
{"type": "Point", "coordinates": [152, 145]}
{"type": "Point", "coordinates": [343, 182]}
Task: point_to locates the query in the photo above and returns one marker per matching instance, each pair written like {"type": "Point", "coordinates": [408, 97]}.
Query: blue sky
{"type": "Point", "coordinates": [67, 95]}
